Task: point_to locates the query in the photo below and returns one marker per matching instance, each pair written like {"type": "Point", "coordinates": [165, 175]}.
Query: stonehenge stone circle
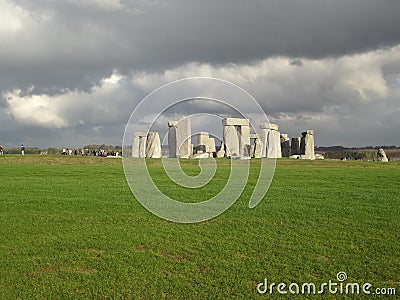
{"type": "Point", "coordinates": [238, 142]}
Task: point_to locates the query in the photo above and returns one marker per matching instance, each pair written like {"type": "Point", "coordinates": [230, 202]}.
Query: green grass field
{"type": "Point", "coordinates": [71, 228]}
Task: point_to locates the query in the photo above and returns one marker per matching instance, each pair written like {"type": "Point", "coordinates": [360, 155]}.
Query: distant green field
{"type": "Point", "coordinates": [71, 228]}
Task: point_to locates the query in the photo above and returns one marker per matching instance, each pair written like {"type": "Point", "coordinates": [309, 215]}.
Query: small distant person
{"type": "Point", "coordinates": [1, 149]}
{"type": "Point", "coordinates": [22, 149]}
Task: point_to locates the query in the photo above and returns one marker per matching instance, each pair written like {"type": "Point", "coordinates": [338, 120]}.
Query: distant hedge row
{"type": "Point", "coordinates": [56, 151]}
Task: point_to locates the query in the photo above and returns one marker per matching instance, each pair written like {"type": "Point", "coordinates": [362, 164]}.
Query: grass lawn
{"type": "Point", "coordinates": [71, 228]}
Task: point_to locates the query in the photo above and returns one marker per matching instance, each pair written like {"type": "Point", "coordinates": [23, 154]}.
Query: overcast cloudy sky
{"type": "Point", "coordinates": [72, 71]}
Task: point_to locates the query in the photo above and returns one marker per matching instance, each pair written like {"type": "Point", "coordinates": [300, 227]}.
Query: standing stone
{"type": "Point", "coordinates": [173, 150]}
{"type": "Point", "coordinates": [231, 141]}
{"type": "Point", "coordinates": [382, 155]}
{"type": "Point", "coordinates": [139, 144]}
{"type": "Point", "coordinates": [210, 148]}
{"type": "Point", "coordinates": [271, 140]}
{"type": "Point", "coordinates": [295, 147]}
{"type": "Point", "coordinates": [285, 145]}
{"type": "Point", "coordinates": [135, 145]}
{"type": "Point", "coordinates": [203, 139]}
{"type": "Point", "coordinates": [258, 146]}
{"type": "Point", "coordinates": [179, 138]}
{"type": "Point", "coordinates": [153, 145]}
{"type": "Point", "coordinates": [244, 140]}
{"type": "Point", "coordinates": [307, 145]}
{"type": "Point", "coordinates": [221, 151]}
{"type": "Point", "coordinates": [274, 145]}
{"type": "Point", "coordinates": [236, 137]}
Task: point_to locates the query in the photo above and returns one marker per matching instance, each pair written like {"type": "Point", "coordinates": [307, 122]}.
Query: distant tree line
{"type": "Point", "coordinates": [58, 151]}
{"type": "Point", "coordinates": [341, 148]}
{"type": "Point", "coordinates": [356, 153]}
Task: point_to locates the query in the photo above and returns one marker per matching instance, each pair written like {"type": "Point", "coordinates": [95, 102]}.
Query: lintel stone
{"type": "Point", "coordinates": [235, 122]}
{"type": "Point", "coordinates": [254, 136]}
{"type": "Point", "coordinates": [269, 126]}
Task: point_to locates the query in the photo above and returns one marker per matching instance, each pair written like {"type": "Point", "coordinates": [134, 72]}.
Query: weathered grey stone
{"type": "Point", "coordinates": [236, 137]}
{"type": "Point", "coordinates": [244, 140]}
{"type": "Point", "coordinates": [172, 123]}
{"type": "Point", "coordinates": [235, 122]}
{"type": "Point", "coordinates": [211, 145]}
{"type": "Point", "coordinates": [258, 146]}
{"type": "Point", "coordinates": [254, 136]}
{"type": "Point", "coordinates": [135, 145]}
{"type": "Point", "coordinates": [139, 144]}
{"type": "Point", "coordinates": [285, 145]}
{"type": "Point", "coordinates": [307, 145]}
{"type": "Point", "coordinates": [382, 155]}
{"type": "Point", "coordinates": [199, 149]}
{"type": "Point", "coordinates": [221, 151]}
{"type": "Point", "coordinates": [203, 139]}
{"type": "Point", "coordinates": [269, 126]}
{"type": "Point", "coordinates": [309, 131]}
{"type": "Point", "coordinates": [179, 138]}
{"type": "Point", "coordinates": [153, 145]}
{"type": "Point", "coordinates": [201, 155]}
{"type": "Point", "coordinates": [231, 141]}
{"type": "Point", "coordinates": [252, 149]}
{"type": "Point", "coordinates": [295, 146]}
{"type": "Point", "coordinates": [263, 139]}
{"type": "Point", "coordinates": [271, 140]}
{"type": "Point", "coordinates": [172, 142]}
{"type": "Point", "coordinates": [274, 144]}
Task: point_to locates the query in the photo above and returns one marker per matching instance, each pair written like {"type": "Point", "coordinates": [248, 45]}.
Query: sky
{"type": "Point", "coordinates": [72, 71]}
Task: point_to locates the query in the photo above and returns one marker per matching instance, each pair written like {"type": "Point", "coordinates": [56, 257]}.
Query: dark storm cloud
{"type": "Point", "coordinates": [73, 45]}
